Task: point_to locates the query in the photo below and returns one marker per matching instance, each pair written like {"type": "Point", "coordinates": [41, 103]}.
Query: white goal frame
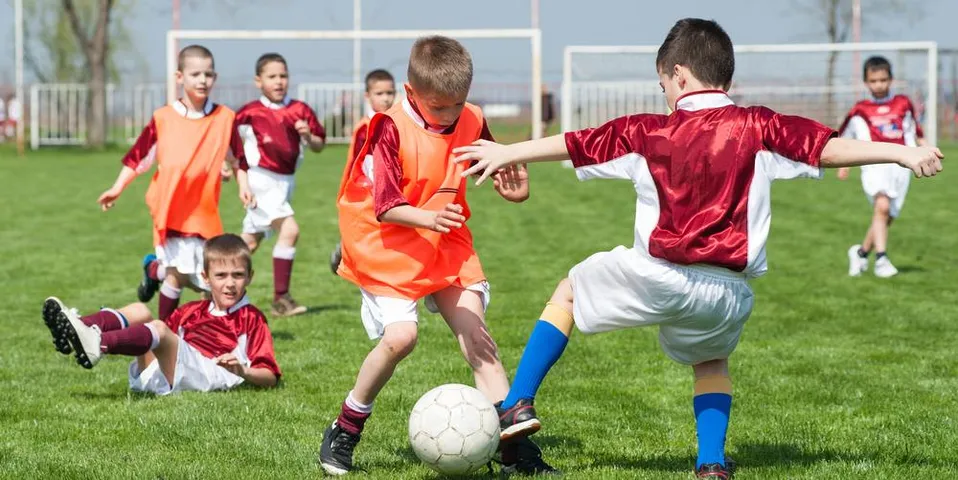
{"type": "Point", "coordinates": [533, 34]}
{"type": "Point", "coordinates": [931, 109]}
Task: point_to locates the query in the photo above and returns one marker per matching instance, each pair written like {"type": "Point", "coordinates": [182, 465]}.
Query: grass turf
{"type": "Point", "coordinates": [835, 377]}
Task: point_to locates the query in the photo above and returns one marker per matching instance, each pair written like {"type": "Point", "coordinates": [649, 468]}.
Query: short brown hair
{"type": "Point", "coordinates": [440, 65]}
{"type": "Point", "coordinates": [268, 58]}
{"type": "Point", "coordinates": [226, 247]}
{"type": "Point", "coordinates": [197, 51]}
{"type": "Point", "coordinates": [703, 47]}
{"type": "Point", "coordinates": [378, 75]}
{"type": "Point", "coordinates": [876, 63]}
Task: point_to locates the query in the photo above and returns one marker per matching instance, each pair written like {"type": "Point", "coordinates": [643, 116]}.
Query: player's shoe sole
{"type": "Point", "coordinates": [519, 421]}
{"type": "Point", "coordinates": [52, 308]}
{"type": "Point", "coordinates": [520, 430]}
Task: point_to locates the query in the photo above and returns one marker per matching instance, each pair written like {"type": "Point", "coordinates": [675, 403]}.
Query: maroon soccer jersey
{"type": "Point", "coordinates": [217, 333]}
{"type": "Point", "coordinates": [888, 120]}
{"type": "Point", "coordinates": [387, 168]}
{"type": "Point", "coordinates": [703, 175]}
{"type": "Point", "coordinates": [270, 139]}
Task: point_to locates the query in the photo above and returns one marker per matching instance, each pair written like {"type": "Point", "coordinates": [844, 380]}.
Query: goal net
{"type": "Point", "coordinates": [820, 81]}
{"type": "Point", "coordinates": [509, 93]}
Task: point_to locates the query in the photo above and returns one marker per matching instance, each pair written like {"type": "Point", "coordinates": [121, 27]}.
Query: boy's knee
{"type": "Point", "coordinates": [562, 297]}
{"type": "Point", "coordinates": [400, 339]}
{"type": "Point", "coordinates": [711, 368]}
{"type": "Point", "coordinates": [251, 242]}
{"type": "Point", "coordinates": [882, 205]}
{"type": "Point", "coordinates": [289, 231]}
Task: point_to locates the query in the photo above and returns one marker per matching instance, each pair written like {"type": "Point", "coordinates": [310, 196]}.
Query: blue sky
{"type": "Point", "coordinates": [563, 22]}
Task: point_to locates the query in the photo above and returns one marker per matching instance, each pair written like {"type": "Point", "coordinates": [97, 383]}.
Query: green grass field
{"type": "Point", "coordinates": [835, 378]}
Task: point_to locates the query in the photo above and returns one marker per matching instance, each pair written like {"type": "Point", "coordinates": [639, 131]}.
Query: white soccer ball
{"type": "Point", "coordinates": [454, 429]}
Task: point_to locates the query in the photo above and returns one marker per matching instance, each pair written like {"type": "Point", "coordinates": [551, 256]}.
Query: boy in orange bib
{"type": "Point", "coordinates": [380, 96]}
{"type": "Point", "coordinates": [402, 213]}
{"type": "Point", "coordinates": [189, 141]}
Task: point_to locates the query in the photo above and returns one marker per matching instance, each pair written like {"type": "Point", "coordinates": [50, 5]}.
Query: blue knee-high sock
{"type": "Point", "coordinates": [544, 348]}
{"type": "Point", "coordinates": [711, 423]}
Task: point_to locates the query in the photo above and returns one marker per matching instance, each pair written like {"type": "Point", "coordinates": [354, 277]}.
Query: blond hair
{"type": "Point", "coordinates": [192, 51]}
{"type": "Point", "coordinates": [440, 65]}
{"type": "Point", "coordinates": [226, 248]}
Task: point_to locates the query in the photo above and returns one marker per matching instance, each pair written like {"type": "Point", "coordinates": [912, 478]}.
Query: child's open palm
{"type": "Point", "coordinates": [108, 198]}
{"type": "Point", "coordinates": [231, 363]}
{"type": "Point", "coordinates": [512, 183]}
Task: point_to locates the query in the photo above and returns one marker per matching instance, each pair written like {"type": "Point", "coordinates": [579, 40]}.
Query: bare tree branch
{"type": "Point", "coordinates": [77, 28]}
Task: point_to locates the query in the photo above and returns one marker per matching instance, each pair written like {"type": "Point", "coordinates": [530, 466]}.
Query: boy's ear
{"type": "Point", "coordinates": [408, 88]}
{"type": "Point", "coordinates": [179, 77]}
{"type": "Point", "coordinates": [249, 279]}
{"type": "Point", "coordinates": [206, 278]}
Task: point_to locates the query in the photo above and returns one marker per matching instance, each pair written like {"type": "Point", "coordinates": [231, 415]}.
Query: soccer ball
{"type": "Point", "coordinates": [454, 429]}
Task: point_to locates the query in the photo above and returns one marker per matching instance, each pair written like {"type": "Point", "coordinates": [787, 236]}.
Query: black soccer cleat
{"type": "Point", "coordinates": [519, 421]}
{"type": "Point", "coordinates": [52, 308]}
{"type": "Point", "coordinates": [715, 471]}
{"type": "Point", "coordinates": [522, 456]}
{"type": "Point", "coordinates": [148, 286]}
{"type": "Point", "coordinates": [336, 257]}
{"type": "Point", "coordinates": [336, 452]}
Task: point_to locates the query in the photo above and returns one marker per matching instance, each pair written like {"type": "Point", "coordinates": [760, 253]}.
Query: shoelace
{"type": "Point", "coordinates": [344, 443]}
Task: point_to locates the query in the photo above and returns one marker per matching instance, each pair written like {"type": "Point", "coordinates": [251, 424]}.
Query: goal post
{"type": "Point", "coordinates": [534, 35]}
{"type": "Point", "coordinates": [821, 80]}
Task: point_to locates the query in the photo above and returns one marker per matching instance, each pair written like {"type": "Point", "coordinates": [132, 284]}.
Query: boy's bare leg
{"type": "Point", "coordinates": [165, 352]}
{"type": "Point", "coordinates": [712, 405]}
{"type": "Point", "coordinates": [252, 240]}
{"type": "Point", "coordinates": [463, 311]}
{"type": "Point", "coordinates": [283, 255]}
{"type": "Point", "coordinates": [399, 340]}
{"type": "Point", "coordinates": [879, 226]}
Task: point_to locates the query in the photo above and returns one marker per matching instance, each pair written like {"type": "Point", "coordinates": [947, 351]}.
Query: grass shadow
{"type": "Point", "coordinates": [911, 269]}
{"type": "Point", "coordinates": [317, 309]}
{"type": "Point", "coordinates": [282, 335]}
{"type": "Point", "coordinates": [114, 395]}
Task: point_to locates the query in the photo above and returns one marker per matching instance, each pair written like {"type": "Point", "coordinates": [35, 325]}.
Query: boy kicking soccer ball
{"type": "Point", "coordinates": [703, 178]}
{"type": "Point", "coordinates": [380, 95]}
{"type": "Point", "coordinates": [882, 118]}
{"type": "Point", "coordinates": [190, 141]}
{"type": "Point", "coordinates": [274, 130]}
{"type": "Point", "coordinates": [402, 213]}
{"type": "Point", "coordinates": [203, 346]}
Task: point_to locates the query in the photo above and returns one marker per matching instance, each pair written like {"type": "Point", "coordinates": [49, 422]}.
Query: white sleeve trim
{"type": "Point", "coordinates": [250, 147]}
{"type": "Point", "coordinates": [910, 130]}
{"type": "Point", "coordinates": [857, 129]}
{"type": "Point", "coordinates": [623, 168]}
{"type": "Point", "coordinates": [779, 167]}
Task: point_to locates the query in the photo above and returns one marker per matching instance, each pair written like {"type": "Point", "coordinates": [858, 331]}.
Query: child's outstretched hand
{"type": "Point", "coordinates": [226, 171]}
{"type": "Point", "coordinates": [231, 364]}
{"type": "Point", "coordinates": [512, 183]}
{"type": "Point", "coordinates": [108, 198]}
{"type": "Point", "coordinates": [487, 157]}
{"type": "Point", "coordinates": [923, 161]}
{"type": "Point", "coordinates": [448, 218]}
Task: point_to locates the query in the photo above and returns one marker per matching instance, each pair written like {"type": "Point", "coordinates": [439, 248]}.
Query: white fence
{"type": "Point", "coordinates": [58, 112]}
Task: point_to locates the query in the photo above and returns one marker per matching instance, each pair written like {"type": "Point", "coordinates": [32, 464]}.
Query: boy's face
{"type": "Point", "coordinates": [197, 78]}
{"type": "Point", "coordinates": [878, 81]}
{"type": "Point", "coordinates": [227, 280]}
{"type": "Point", "coordinates": [437, 110]}
{"type": "Point", "coordinates": [381, 94]}
{"type": "Point", "coordinates": [273, 80]}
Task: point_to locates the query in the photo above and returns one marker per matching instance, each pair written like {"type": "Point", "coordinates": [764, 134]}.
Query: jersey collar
{"type": "Point", "coordinates": [181, 109]}
{"type": "Point", "coordinates": [275, 106]}
{"type": "Point", "coordinates": [219, 313]}
{"type": "Point", "coordinates": [703, 99]}
{"type": "Point", "coordinates": [885, 99]}
{"type": "Point", "coordinates": [413, 113]}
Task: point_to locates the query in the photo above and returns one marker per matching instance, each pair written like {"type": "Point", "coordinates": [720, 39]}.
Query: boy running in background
{"type": "Point", "coordinates": [274, 130]}
{"type": "Point", "coordinates": [380, 95]}
{"type": "Point", "coordinates": [402, 213]}
{"type": "Point", "coordinates": [882, 118]}
{"type": "Point", "coordinates": [189, 141]}
{"type": "Point", "coordinates": [703, 178]}
{"type": "Point", "coordinates": [203, 346]}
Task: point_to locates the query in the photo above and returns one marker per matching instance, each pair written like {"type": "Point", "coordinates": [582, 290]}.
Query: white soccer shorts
{"type": "Point", "coordinates": [890, 179]}
{"type": "Point", "coordinates": [185, 254]}
{"type": "Point", "coordinates": [379, 311]}
{"type": "Point", "coordinates": [194, 373]}
{"type": "Point", "coordinates": [273, 192]}
{"type": "Point", "coordinates": [700, 311]}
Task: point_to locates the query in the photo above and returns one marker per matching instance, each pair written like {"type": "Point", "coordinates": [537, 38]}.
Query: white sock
{"type": "Point", "coordinates": [156, 336]}
{"type": "Point", "coordinates": [160, 273]}
{"type": "Point", "coordinates": [169, 291]}
{"type": "Point", "coordinates": [355, 405]}
{"type": "Point", "coordinates": [284, 252]}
